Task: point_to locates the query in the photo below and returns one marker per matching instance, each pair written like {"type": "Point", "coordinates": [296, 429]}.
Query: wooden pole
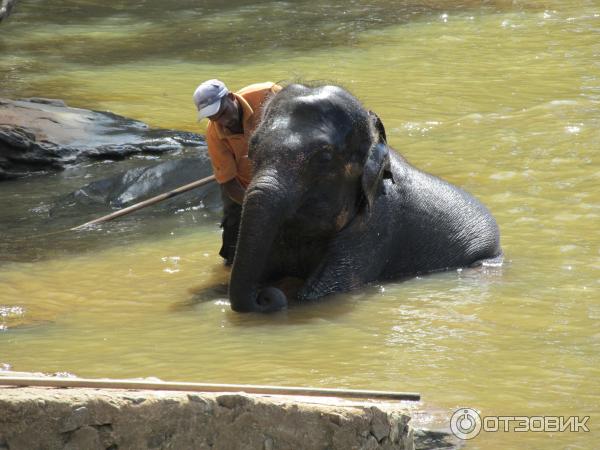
{"type": "Point", "coordinates": [204, 387]}
{"type": "Point", "coordinates": [150, 201]}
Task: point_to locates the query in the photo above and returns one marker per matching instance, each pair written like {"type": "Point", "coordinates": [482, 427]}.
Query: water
{"type": "Point", "coordinates": [502, 98]}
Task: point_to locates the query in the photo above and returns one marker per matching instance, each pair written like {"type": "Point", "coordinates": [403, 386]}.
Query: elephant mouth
{"type": "Point", "coordinates": [278, 294]}
{"type": "Point", "coordinates": [270, 299]}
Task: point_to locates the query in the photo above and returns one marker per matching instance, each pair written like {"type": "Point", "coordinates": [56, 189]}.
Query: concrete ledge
{"type": "Point", "coordinates": [109, 419]}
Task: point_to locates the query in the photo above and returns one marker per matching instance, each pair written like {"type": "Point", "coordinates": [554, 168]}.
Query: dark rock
{"type": "Point", "coordinates": [436, 440]}
{"type": "Point", "coordinates": [44, 101]}
{"type": "Point", "coordinates": [141, 183]}
{"type": "Point", "coordinates": [45, 134]}
{"type": "Point", "coordinates": [232, 401]}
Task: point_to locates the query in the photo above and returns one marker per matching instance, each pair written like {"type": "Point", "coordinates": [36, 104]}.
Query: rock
{"type": "Point", "coordinates": [44, 134]}
{"type": "Point", "coordinates": [84, 438]}
{"type": "Point", "coordinates": [77, 418]}
{"type": "Point", "coordinates": [232, 401]}
{"type": "Point", "coordinates": [269, 444]}
{"type": "Point", "coordinates": [134, 185]}
{"type": "Point", "coordinates": [380, 427]}
{"type": "Point", "coordinates": [371, 444]}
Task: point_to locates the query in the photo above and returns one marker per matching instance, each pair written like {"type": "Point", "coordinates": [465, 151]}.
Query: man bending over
{"type": "Point", "coordinates": [232, 120]}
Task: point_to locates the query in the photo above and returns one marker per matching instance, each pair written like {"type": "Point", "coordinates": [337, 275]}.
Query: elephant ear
{"type": "Point", "coordinates": [377, 165]}
{"type": "Point", "coordinates": [378, 124]}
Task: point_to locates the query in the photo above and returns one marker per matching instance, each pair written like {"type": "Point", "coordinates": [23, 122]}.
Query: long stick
{"type": "Point", "coordinates": [203, 387]}
{"type": "Point", "coordinates": [150, 201]}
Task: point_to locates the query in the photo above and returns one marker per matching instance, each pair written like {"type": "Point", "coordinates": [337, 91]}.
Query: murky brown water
{"type": "Point", "coordinates": [501, 98]}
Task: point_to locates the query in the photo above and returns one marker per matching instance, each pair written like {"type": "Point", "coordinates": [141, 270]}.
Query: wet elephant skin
{"type": "Point", "coordinates": [332, 204]}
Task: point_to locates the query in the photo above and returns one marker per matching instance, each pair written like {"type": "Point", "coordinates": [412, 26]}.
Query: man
{"type": "Point", "coordinates": [232, 120]}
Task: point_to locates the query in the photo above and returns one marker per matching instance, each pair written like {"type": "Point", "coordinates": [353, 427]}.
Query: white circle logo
{"type": "Point", "coordinates": [465, 423]}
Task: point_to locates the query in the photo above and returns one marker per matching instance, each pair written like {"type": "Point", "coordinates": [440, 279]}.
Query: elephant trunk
{"type": "Point", "coordinates": [266, 204]}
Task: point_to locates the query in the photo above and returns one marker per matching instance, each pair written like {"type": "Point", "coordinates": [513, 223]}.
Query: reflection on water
{"type": "Point", "coordinates": [498, 97]}
{"type": "Point", "coordinates": [122, 31]}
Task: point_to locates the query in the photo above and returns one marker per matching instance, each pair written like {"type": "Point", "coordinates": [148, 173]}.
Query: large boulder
{"type": "Point", "coordinates": [42, 134]}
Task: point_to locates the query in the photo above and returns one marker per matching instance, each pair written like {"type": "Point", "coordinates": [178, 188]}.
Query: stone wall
{"type": "Point", "coordinates": [107, 419]}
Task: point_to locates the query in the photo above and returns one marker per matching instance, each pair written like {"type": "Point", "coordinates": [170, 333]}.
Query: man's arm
{"type": "Point", "coordinates": [234, 190]}
{"type": "Point", "coordinates": [224, 165]}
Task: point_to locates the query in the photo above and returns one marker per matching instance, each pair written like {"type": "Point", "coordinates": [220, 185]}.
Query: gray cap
{"type": "Point", "coordinates": [207, 97]}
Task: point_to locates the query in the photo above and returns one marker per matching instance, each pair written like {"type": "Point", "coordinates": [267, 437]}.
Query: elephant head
{"type": "Point", "coordinates": [319, 159]}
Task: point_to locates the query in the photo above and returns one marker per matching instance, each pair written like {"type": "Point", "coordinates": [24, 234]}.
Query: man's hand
{"type": "Point", "coordinates": [234, 189]}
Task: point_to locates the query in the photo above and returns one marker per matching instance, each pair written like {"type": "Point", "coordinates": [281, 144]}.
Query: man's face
{"type": "Point", "coordinates": [228, 115]}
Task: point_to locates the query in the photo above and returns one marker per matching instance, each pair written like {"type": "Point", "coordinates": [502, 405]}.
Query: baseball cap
{"type": "Point", "coordinates": [207, 97]}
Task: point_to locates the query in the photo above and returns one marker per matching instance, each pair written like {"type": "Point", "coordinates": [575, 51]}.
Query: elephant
{"type": "Point", "coordinates": [332, 204]}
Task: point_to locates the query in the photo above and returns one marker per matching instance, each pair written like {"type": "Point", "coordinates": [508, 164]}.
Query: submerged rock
{"type": "Point", "coordinates": [140, 183]}
{"type": "Point", "coordinates": [436, 440]}
{"type": "Point", "coordinates": [42, 134]}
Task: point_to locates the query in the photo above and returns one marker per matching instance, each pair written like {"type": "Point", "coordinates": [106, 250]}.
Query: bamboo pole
{"type": "Point", "coordinates": [150, 201]}
{"type": "Point", "coordinates": [204, 387]}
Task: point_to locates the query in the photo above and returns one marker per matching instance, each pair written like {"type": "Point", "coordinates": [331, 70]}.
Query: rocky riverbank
{"type": "Point", "coordinates": [41, 135]}
{"type": "Point", "coordinates": [62, 166]}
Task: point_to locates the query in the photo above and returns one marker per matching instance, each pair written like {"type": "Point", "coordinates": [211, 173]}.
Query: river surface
{"type": "Point", "coordinates": [501, 98]}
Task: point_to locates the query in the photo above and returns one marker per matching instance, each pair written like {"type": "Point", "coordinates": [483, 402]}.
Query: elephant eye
{"type": "Point", "coordinates": [324, 155]}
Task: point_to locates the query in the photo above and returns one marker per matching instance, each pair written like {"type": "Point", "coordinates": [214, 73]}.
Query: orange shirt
{"type": "Point", "coordinates": [228, 151]}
